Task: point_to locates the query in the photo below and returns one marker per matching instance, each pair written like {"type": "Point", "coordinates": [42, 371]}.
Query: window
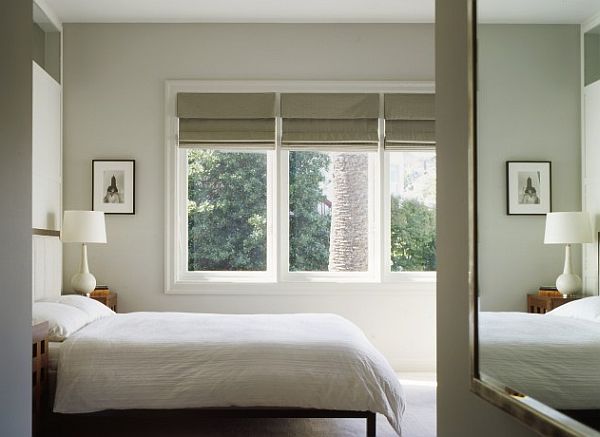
{"type": "Point", "coordinates": [329, 220]}
{"type": "Point", "coordinates": [276, 189]}
{"type": "Point", "coordinates": [227, 210]}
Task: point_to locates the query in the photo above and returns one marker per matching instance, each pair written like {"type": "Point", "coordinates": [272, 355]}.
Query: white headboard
{"type": "Point", "coordinates": [47, 267]}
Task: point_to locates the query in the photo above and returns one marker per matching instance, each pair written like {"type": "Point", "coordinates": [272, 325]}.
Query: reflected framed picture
{"type": "Point", "coordinates": [529, 187]}
{"type": "Point", "coordinates": [113, 186]}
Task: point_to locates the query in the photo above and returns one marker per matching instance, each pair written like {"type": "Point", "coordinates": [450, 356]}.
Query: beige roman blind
{"type": "Point", "coordinates": [329, 121]}
{"type": "Point", "coordinates": [236, 120]}
{"type": "Point", "coordinates": [409, 121]}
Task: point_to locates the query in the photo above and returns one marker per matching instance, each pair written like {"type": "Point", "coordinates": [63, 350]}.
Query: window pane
{"type": "Point", "coordinates": [227, 210]}
{"type": "Point", "coordinates": [412, 203]}
{"type": "Point", "coordinates": [329, 211]}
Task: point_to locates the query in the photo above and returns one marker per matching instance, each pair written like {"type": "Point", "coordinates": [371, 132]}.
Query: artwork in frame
{"type": "Point", "coordinates": [113, 186]}
{"type": "Point", "coordinates": [529, 190]}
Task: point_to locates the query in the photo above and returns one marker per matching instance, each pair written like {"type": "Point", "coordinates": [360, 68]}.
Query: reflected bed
{"type": "Point", "coordinates": [553, 359]}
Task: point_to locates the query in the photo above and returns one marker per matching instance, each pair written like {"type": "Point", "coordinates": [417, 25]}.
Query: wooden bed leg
{"type": "Point", "coordinates": [371, 424]}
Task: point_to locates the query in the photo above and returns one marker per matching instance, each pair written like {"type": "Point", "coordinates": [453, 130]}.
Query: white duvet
{"type": "Point", "coordinates": [184, 360]}
{"type": "Point", "coordinates": [553, 359]}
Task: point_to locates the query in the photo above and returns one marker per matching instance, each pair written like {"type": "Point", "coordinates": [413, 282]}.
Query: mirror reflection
{"type": "Point", "coordinates": [538, 201]}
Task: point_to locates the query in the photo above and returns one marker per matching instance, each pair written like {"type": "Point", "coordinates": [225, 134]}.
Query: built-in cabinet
{"type": "Point", "coordinates": [47, 151]}
{"type": "Point", "coordinates": [46, 120]}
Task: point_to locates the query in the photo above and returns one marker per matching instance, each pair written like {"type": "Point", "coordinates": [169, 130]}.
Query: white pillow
{"type": "Point", "coordinates": [63, 320]}
{"type": "Point", "coordinates": [94, 309]}
{"type": "Point", "coordinates": [587, 308]}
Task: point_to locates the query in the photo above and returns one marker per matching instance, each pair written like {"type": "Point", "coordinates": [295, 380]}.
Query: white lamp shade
{"type": "Point", "coordinates": [84, 227]}
{"type": "Point", "coordinates": [567, 228]}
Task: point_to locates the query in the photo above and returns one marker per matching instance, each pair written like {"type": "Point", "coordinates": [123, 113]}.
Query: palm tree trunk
{"type": "Point", "coordinates": [349, 242]}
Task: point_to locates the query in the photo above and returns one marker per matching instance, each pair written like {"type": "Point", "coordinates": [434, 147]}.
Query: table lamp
{"type": "Point", "coordinates": [83, 227]}
{"type": "Point", "coordinates": [568, 228]}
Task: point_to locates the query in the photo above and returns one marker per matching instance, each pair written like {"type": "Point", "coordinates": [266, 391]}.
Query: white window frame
{"type": "Point", "coordinates": [374, 271]}
{"type": "Point", "coordinates": [277, 279]}
{"type": "Point", "coordinates": [182, 227]}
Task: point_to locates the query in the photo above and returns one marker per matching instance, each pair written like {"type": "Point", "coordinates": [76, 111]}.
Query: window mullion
{"type": "Point", "coordinates": [278, 206]}
{"type": "Point", "coordinates": [182, 218]}
{"type": "Point", "coordinates": [284, 225]}
{"type": "Point", "coordinates": [380, 234]}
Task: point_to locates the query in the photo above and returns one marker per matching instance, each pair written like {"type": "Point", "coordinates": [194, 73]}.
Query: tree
{"type": "Point", "coordinates": [412, 235]}
{"type": "Point", "coordinates": [227, 211]}
{"type": "Point", "coordinates": [309, 229]}
{"type": "Point", "coordinates": [349, 237]}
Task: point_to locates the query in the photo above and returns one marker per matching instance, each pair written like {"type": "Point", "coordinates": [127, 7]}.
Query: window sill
{"type": "Point", "coordinates": [303, 288]}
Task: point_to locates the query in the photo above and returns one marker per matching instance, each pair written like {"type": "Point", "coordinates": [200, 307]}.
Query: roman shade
{"type": "Point", "coordinates": [330, 121]}
{"type": "Point", "coordinates": [229, 120]}
{"type": "Point", "coordinates": [409, 121]}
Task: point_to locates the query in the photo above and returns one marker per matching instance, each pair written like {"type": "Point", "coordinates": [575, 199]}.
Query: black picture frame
{"type": "Point", "coordinates": [527, 181]}
{"type": "Point", "coordinates": [104, 196]}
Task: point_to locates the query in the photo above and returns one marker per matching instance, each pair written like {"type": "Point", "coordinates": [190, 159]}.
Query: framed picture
{"type": "Point", "coordinates": [528, 187]}
{"type": "Point", "coordinates": [113, 186]}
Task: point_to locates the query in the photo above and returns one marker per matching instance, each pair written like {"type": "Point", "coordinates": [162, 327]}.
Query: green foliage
{"type": "Point", "coordinates": [309, 230]}
{"type": "Point", "coordinates": [227, 211]}
{"type": "Point", "coordinates": [413, 236]}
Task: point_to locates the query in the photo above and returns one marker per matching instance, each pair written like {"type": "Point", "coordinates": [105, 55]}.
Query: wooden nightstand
{"type": "Point", "coordinates": [543, 304]}
{"type": "Point", "coordinates": [39, 373]}
{"type": "Point", "coordinates": [109, 299]}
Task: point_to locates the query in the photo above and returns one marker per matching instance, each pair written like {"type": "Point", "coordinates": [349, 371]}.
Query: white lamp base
{"type": "Point", "coordinates": [568, 282]}
{"type": "Point", "coordinates": [83, 282]}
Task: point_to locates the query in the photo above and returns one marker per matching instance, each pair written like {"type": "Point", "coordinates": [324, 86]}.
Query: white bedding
{"type": "Point", "coordinates": [553, 359]}
{"type": "Point", "coordinates": [53, 355]}
{"type": "Point", "coordinates": [185, 360]}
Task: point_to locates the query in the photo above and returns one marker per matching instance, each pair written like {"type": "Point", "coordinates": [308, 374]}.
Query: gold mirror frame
{"type": "Point", "coordinates": [536, 415]}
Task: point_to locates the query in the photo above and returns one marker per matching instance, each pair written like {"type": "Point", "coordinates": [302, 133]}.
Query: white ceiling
{"type": "Point", "coordinates": [312, 11]}
{"type": "Point", "coordinates": [245, 11]}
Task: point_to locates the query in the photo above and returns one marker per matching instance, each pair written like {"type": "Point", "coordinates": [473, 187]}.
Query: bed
{"type": "Point", "coordinates": [183, 360]}
{"type": "Point", "coordinates": [551, 357]}
{"type": "Point", "coordinates": [217, 365]}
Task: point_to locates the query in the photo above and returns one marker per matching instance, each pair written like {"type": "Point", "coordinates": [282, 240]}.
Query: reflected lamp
{"type": "Point", "coordinates": [568, 228]}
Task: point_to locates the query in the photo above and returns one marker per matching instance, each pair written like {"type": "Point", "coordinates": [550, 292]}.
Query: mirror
{"type": "Point", "coordinates": [538, 153]}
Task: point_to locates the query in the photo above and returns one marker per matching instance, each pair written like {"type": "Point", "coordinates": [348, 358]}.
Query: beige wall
{"type": "Point", "coordinates": [15, 219]}
{"type": "Point", "coordinates": [459, 412]}
{"type": "Point", "coordinates": [113, 108]}
{"type": "Point", "coordinates": [528, 109]}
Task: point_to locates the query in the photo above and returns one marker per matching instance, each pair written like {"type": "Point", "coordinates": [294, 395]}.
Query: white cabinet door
{"type": "Point", "coordinates": [47, 151]}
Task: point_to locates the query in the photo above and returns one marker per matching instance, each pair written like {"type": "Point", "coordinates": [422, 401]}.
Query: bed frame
{"type": "Point", "coordinates": [590, 418]}
{"type": "Point", "coordinates": [60, 423]}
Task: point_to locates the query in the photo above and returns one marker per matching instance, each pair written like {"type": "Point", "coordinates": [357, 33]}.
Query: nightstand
{"type": "Point", "coordinates": [39, 373]}
{"type": "Point", "coordinates": [107, 298]}
{"type": "Point", "coordinates": [543, 304]}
